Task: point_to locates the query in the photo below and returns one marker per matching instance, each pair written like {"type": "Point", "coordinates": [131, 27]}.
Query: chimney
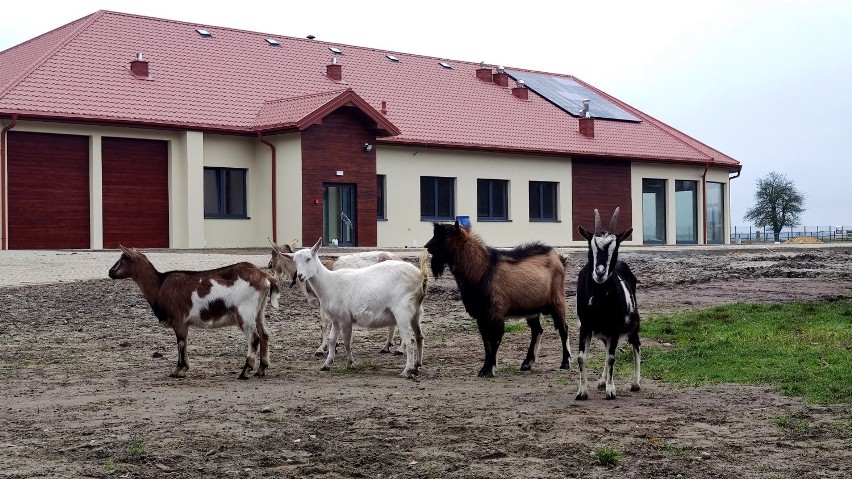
{"type": "Point", "coordinates": [587, 127]}
{"type": "Point", "coordinates": [484, 72]}
{"type": "Point", "coordinates": [139, 67]}
{"type": "Point", "coordinates": [501, 77]}
{"type": "Point", "coordinates": [384, 108]}
{"type": "Point", "coordinates": [521, 91]}
{"type": "Point", "coordinates": [333, 70]}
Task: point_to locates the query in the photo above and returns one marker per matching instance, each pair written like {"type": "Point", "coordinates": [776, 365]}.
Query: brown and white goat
{"type": "Point", "coordinates": [231, 295]}
{"type": "Point", "coordinates": [526, 282]}
{"type": "Point", "coordinates": [606, 304]}
{"type": "Point", "coordinates": [283, 266]}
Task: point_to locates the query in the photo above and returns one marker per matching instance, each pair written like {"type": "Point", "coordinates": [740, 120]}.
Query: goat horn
{"type": "Point", "coordinates": [597, 222]}
{"type": "Point", "coordinates": [614, 223]}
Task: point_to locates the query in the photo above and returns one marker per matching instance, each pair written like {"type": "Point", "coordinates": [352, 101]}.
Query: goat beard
{"type": "Point", "coordinates": [438, 264]}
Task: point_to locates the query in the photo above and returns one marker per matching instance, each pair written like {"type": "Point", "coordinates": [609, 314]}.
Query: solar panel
{"type": "Point", "coordinates": [569, 95]}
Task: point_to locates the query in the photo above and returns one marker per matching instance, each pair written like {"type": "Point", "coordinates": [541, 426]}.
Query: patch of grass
{"type": "Point", "coordinates": [276, 418]}
{"type": "Point", "coordinates": [359, 366]}
{"type": "Point", "coordinates": [442, 339]}
{"type": "Point", "coordinates": [514, 326]}
{"type": "Point", "coordinates": [111, 466]}
{"type": "Point", "coordinates": [794, 424]}
{"type": "Point", "coordinates": [607, 456]}
{"type": "Point", "coordinates": [136, 449]}
{"type": "Point", "coordinates": [508, 369]}
{"type": "Point", "coordinates": [801, 348]}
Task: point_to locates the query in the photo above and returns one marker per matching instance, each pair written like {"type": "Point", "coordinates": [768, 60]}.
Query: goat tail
{"type": "Point", "coordinates": [274, 293]}
{"type": "Point", "coordinates": [425, 271]}
{"type": "Point", "coordinates": [563, 258]}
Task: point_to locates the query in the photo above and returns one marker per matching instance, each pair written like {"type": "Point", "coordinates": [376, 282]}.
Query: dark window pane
{"type": "Point", "coordinates": [445, 198]}
{"type": "Point", "coordinates": [427, 197]}
{"type": "Point", "coordinates": [235, 193]}
{"type": "Point", "coordinates": [482, 198]}
{"type": "Point", "coordinates": [548, 198]}
{"type": "Point", "coordinates": [211, 192]}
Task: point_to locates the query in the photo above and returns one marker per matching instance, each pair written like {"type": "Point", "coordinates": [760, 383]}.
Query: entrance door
{"type": "Point", "coordinates": [338, 215]}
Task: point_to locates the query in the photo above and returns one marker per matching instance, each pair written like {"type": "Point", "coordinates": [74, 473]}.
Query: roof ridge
{"type": "Point", "coordinates": [85, 23]}
{"type": "Point", "coordinates": [309, 95]}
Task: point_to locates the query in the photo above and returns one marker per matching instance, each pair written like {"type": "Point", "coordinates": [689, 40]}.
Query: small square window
{"type": "Point", "coordinates": [437, 198]}
{"type": "Point", "coordinates": [492, 200]}
{"type": "Point", "coordinates": [543, 201]}
{"type": "Point", "coordinates": [380, 197]}
{"type": "Point", "coordinates": [225, 193]}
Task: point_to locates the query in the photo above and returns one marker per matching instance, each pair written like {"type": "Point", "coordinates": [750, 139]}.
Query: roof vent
{"type": "Point", "coordinates": [484, 72]}
{"type": "Point", "coordinates": [584, 113]}
{"type": "Point", "coordinates": [445, 65]}
{"type": "Point", "coordinates": [204, 33]}
{"type": "Point", "coordinates": [384, 109]}
{"type": "Point", "coordinates": [521, 91]}
{"type": "Point", "coordinates": [139, 66]}
{"type": "Point", "coordinates": [392, 58]}
{"type": "Point", "coordinates": [333, 70]}
{"type": "Point", "coordinates": [273, 42]}
{"type": "Point", "coordinates": [336, 51]}
{"type": "Point", "coordinates": [310, 37]}
{"type": "Point", "coordinates": [501, 77]}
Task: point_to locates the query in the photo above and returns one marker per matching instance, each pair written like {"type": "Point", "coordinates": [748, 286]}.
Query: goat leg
{"type": "Point", "coordinates": [536, 330]}
{"type": "Point", "coordinates": [633, 339]}
{"type": "Point", "coordinates": [583, 347]}
{"type": "Point", "coordinates": [182, 362]}
{"type": "Point", "coordinates": [492, 334]}
{"type": "Point", "coordinates": [610, 366]}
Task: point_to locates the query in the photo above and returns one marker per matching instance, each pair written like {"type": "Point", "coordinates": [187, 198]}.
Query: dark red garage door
{"type": "Point", "coordinates": [48, 191]}
{"type": "Point", "coordinates": [136, 193]}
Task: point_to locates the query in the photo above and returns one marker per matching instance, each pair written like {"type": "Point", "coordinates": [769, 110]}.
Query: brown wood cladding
{"type": "Point", "coordinates": [338, 145]}
{"type": "Point", "coordinates": [603, 184]}
{"type": "Point", "coordinates": [48, 191]}
{"type": "Point", "coordinates": [135, 192]}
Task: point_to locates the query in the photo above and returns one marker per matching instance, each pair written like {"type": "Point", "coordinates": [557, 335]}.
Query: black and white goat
{"type": "Point", "coordinates": [606, 304]}
{"type": "Point", "coordinates": [495, 284]}
{"type": "Point", "coordinates": [231, 295]}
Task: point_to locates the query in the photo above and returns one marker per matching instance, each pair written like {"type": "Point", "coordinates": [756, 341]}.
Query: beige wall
{"type": "Point", "coordinates": [670, 173]}
{"type": "Point", "coordinates": [403, 167]}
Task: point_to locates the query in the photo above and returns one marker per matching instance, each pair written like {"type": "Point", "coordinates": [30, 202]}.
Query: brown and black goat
{"type": "Point", "coordinates": [231, 295]}
{"type": "Point", "coordinates": [496, 284]}
{"type": "Point", "coordinates": [606, 304]}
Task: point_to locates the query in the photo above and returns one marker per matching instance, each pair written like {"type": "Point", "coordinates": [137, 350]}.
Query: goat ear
{"type": "Point", "coordinates": [316, 247]}
{"type": "Point", "coordinates": [584, 233]}
{"type": "Point", "coordinates": [287, 249]}
{"type": "Point", "coordinates": [127, 251]}
{"type": "Point", "coordinates": [623, 236]}
{"type": "Point", "coordinates": [458, 227]}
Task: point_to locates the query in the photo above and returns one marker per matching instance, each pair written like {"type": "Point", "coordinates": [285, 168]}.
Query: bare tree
{"type": "Point", "coordinates": [777, 203]}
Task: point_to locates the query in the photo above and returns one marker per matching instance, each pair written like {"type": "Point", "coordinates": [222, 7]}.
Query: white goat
{"type": "Point", "coordinates": [380, 295]}
{"type": "Point", "coordinates": [284, 267]}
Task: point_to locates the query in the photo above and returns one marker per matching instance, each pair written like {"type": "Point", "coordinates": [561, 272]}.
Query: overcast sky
{"type": "Point", "coordinates": [768, 83]}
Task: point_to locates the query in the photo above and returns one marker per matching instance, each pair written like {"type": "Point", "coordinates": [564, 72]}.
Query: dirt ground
{"type": "Point", "coordinates": [85, 392]}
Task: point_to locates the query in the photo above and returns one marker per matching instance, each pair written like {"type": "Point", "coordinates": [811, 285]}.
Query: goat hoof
{"type": "Point", "coordinates": [319, 353]}
{"type": "Point", "coordinates": [582, 396]}
{"type": "Point", "coordinates": [398, 353]}
{"type": "Point", "coordinates": [526, 366]}
{"type": "Point", "coordinates": [325, 367]}
{"type": "Point", "coordinates": [565, 365]}
{"type": "Point", "coordinates": [384, 350]}
{"type": "Point", "coordinates": [635, 387]}
{"type": "Point", "coordinates": [243, 377]}
{"type": "Point", "coordinates": [610, 395]}
{"type": "Point", "coordinates": [486, 373]}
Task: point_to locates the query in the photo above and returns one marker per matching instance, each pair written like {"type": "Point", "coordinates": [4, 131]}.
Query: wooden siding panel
{"type": "Point", "coordinates": [603, 184]}
{"type": "Point", "coordinates": [135, 192]}
{"type": "Point", "coordinates": [48, 180]}
{"type": "Point", "coordinates": [338, 145]}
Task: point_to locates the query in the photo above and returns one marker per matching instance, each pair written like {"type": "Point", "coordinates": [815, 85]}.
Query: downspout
{"type": "Point", "coordinates": [704, 199]}
{"type": "Point", "coordinates": [3, 154]}
{"type": "Point", "coordinates": [274, 186]}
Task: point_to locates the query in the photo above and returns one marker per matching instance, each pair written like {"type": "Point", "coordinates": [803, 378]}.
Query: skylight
{"type": "Point", "coordinates": [336, 51]}
{"type": "Point", "coordinates": [273, 42]}
{"type": "Point", "coordinates": [392, 58]}
{"type": "Point", "coordinates": [445, 65]}
{"type": "Point", "coordinates": [204, 33]}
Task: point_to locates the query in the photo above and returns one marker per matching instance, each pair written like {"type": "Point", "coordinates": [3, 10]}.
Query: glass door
{"type": "Point", "coordinates": [338, 215]}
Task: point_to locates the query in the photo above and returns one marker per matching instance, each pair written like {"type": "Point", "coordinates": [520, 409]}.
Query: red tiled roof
{"type": "Point", "coordinates": [236, 81]}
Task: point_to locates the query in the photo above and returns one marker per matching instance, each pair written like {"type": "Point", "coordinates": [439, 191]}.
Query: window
{"type": "Point", "coordinates": [437, 198]}
{"type": "Point", "coordinates": [225, 193]}
{"type": "Point", "coordinates": [380, 197]}
{"type": "Point", "coordinates": [492, 200]}
{"type": "Point", "coordinates": [686, 212]}
{"type": "Point", "coordinates": [543, 201]}
{"type": "Point", "coordinates": [653, 211]}
{"type": "Point", "coordinates": [715, 215]}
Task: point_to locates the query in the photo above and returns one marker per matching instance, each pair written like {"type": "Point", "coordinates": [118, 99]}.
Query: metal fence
{"type": "Point", "coordinates": [826, 234]}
